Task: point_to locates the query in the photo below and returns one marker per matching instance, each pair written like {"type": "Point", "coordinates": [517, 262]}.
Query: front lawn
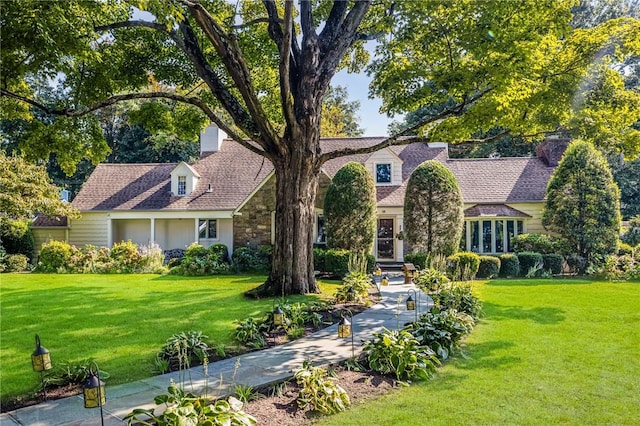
{"type": "Point", "coordinates": [546, 352]}
{"type": "Point", "coordinates": [121, 321]}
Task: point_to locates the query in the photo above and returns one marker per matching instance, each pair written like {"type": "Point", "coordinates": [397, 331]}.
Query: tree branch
{"type": "Point", "coordinates": [142, 24]}
{"type": "Point", "coordinates": [269, 21]}
{"type": "Point", "coordinates": [336, 16]}
{"type": "Point", "coordinates": [71, 112]}
{"type": "Point", "coordinates": [285, 65]}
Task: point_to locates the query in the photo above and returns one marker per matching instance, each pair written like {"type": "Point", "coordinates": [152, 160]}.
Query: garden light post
{"type": "Point", "coordinates": [41, 361]}
{"type": "Point", "coordinates": [413, 303]}
{"type": "Point", "coordinates": [278, 316]}
{"type": "Point", "coordinates": [93, 391]}
{"type": "Point", "coordinates": [346, 330]}
{"type": "Point", "coordinates": [385, 280]}
{"type": "Point", "coordinates": [351, 294]}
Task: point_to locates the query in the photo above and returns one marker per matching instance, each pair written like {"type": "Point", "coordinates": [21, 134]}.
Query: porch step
{"type": "Point", "coordinates": [390, 266]}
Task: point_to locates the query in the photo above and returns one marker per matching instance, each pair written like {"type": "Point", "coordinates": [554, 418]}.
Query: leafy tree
{"type": "Point", "coordinates": [25, 190]}
{"type": "Point", "coordinates": [350, 209]}
{"type": "Point", "coordinates": [339, 115]}
{"type": "Point", "coordinates": [627, 176]}
{"type": "Point", "coordinates": [583, 202]}
{"type": "Point", "coordinates": [433, 214]}
{"type": "Point", "coordinates": [261, 70]}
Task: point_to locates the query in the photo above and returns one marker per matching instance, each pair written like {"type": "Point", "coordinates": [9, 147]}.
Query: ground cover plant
{"type": "Point", "coordinates": [545, 352]}
{"type": "Point", "coordinates": [121, 321]}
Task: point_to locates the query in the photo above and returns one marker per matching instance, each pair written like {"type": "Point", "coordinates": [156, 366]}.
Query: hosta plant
{"type": "Point", "coordinates": [442, 330]}
{"type": "Point", "coordinates": [458, 296]}
{"type": "Point", "coordinates": [319, 391]}
{"type": "Point", "coordinates": [400, 353]}
{"type": "Point", "coordinates": [430, 280]}
{"type": "Point", "coordinates": [184, 349]}
{"type": "Point", "coordinates": [359, 282]}
{"type": "Point", "coordinates": [251, 332]}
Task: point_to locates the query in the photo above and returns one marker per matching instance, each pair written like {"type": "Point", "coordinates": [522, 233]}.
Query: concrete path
{"type": "Point", "coordinates": [253, 369]}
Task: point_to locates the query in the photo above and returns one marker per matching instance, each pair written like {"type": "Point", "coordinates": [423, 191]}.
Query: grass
{"type": "Point", "coordinates": [546, 352]}
{"type": "Point", "coordinates": [121, 321]}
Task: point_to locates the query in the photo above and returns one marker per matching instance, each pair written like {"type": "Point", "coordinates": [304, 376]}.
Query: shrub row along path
{"type": "Point", "coordinates": [254, 369]}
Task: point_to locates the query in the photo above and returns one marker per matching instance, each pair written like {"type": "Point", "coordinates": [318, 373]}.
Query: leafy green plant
{"type": "Point", "coordinates": [463, 265]}
{"type": "Point", "coordinates": [359, 282]}
{"type": "Point", "coordinates": [53, 256]}
{"type": "Point", "coordinates": [458, 296]}
{"type": "Point", "coordinates": [185, 408]}
{"type": "Point", "coordinates": [183, 349]}
{"type": "Point", "coordinates": [430, 280]}
{"type": "Point", "coordinates": [199, 260]}
{"type": "Point", "coordinates": [125, 256]}
{"type": "Point", "coordinates": [246, 393]}
{"type": "Point", "coordinates": [160, 365]}
{"type": "Point", "coordinates": [553, 262]}
{"type": "Point", "coordinates": [248, 259]}
{"type": "Point", "coordinates": [420, 259]}
{"type": "Point", "coordinates": [398, 352]}
{"type": "Point", "coordinates": [319, 391]}
{"type": "Point", "coordinates": [16, 263]}
{"type": "Point", "coordinates": [528, 260]}
{"type": "Point", "coordinates": [489, 267]}
{"type": "Point", "coordinates": [442, 330]}
{"type": "Point", "coordinates": [509, 265]}
{"type": "Point", "coordinates": [151, 259]}
{"type": "Point", "coordinates": [539, 243]}
{"type": "Point", "coordinates": [70, 373]}
{"type": "Point", "coordinates": [251, 332]}
{"type": "Point", "coordinates": [576, 263]}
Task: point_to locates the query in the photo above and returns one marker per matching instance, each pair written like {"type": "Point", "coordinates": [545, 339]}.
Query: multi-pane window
{"type": "Point", "coordinates": [321, 237]}
{"type": "Point", "coordinates": [208, 228]}
{"type": "Point", "coordinates": [383, 173]}
{"type": "Point", "coordinates": [490, 236]}
{"type": "Point", "coordinates": [182, 185]}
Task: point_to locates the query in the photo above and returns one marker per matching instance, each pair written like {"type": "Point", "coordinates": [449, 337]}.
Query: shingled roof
{"type": "Point", "coordinates": [234, 172]}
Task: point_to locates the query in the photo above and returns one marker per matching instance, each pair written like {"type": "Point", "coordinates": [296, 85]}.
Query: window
{"type": "Point", "coordinates": [383, 173]}
{"type": "Point", "coordinates": [182, 185]}
{"type": "Point", "coordinates": [208, 229]}
{"type": "Point", "coordinates": [490, 236]}
{"type": "Point", "coordinates": [321, 237]}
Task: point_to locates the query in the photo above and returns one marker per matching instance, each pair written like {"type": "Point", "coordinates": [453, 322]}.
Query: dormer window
{"type": "Point", "coordinates": [383, 173]}
{"type": "Point", "coordinates": [182, 185]}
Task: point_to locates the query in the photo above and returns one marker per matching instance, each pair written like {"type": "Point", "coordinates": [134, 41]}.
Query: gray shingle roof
{"type": "Point", "coordinates": [234, 172]}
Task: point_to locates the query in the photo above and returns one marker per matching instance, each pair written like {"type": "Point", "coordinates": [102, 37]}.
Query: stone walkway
{"type": "Point", "coordinates": [255, 369]}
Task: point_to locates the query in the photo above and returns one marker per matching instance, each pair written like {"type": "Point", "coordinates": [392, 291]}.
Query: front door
{"type": "Point", "coordinates": [386, 240]}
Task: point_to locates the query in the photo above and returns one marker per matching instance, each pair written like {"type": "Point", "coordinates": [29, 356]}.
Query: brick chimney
{"type": "Point", "coordinates": [211, 139]}
{"type": "Point", "coordinates": [552, 149]}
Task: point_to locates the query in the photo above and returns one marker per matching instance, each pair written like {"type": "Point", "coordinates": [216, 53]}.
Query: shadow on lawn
{"type": "Point", "coordinates": [482, 355]}
{"type": "Point", "coordinates": [540, 315]}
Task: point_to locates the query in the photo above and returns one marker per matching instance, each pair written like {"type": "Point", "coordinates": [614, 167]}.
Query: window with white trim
{"type": "Point", "coordinates": [383, 173]}
{"type": "Point", "coordinates": [490, 235]}
{"type": "Point", "coordinates": [208, 229]}
{"type": "Point", "coordinates": [321, 233]}
{"type": "Point", "coordinates": [182, 185]}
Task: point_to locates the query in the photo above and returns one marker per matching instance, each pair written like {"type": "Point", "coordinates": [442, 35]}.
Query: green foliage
{"type": "Point", "coordinates": [337, 261]}
{"type": "Point", "coordinates": [359, 282]}
{"type": "Point", "coordinates": [16, 263]}
{"type": "Point", "coordinates": [489, 267]}
{"type": "Point", "coordinates": [339, 115]}
{"type": "Point", "coordinates": [576, 263]}
{"type": "Point", "coordinates": [400, 353]}
{"type": "Point", "coordinates": [319, 391]}
{"type": "Point", "coordinates": [16, 237]}
{"type": "Point", "coordinates": [553, 262]}
{"type": "Point", "coordinates": [458, 296]}
{"type": "Point", "coordinates": [540, 243]}
{"type": "Point", "coordinates": [430, 280]}
{"type": "Point", "coordinates": [151, 259]}
{"type": "Point", "coordinates": [583, 202]}
{"type": "Point", "coordinates": [632, 236]}
{"type": "Point", "coordinates": [248, 259]}
{"type": "Point", "coordinates": [463, 265]}
{"type": "Point", "coordinates": [126, 256]}
{"type": "Point", "coordinates": [246, 393]}
{"type": "Point", "coordinates": [185, 408]}
{"type": "Point", "coordinates": [184, 349]}
{"type": "Point", "coordinates": [319, 257]}
{"type": "Point", "coordinates": [53, 256]}
{"type": "Point", "coordinates": [420, 260]}
{"type": "Point", "coordinates": [251, 333]}
{"type": "Point", "coordinates": [433, 215]}
{"type": "Point", "coordinates": [627, 176]}
{"type": "Point", "coordinates": [442, 330]}
{"type": "Point", "coordinates": [71, 373]}
{"type": "Point", "coordinates": [199, 260]}
{"type": "Point", "coordinates": [530, 261]}
{"type": "Point", "coordinates": [220, 251]}
{"type": "Point", "coordinates": [350, 209]}
{"type": "Point", "coordinates": [509, 265]}
{"type": "Point", "coordinates": [624, 248]}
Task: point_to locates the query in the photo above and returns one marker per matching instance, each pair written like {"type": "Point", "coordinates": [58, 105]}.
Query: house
{"type": "Point", "coordinates": [228, 197]}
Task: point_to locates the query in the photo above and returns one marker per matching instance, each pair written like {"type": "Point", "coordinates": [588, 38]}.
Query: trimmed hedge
{"type": "Point", "coordinates": [489, 267]}
{"type": "Point", "coordinates": [528, 260]}
{"type": "Point", "coordinates": [461, 264]}
{"type": "Point", "coordinates": [509, 265]}
{"type": "Point", "coordinates": [420, 260]}
{"type": "Point", "coordinates": [336, 261]}
{"type": "Point", "coordinates": [553, 262]}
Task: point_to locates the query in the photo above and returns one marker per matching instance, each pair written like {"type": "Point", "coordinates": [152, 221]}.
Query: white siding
{"type": "Point", "coordinates": [385, 156]}
{"type": "Point", "coordinates": [44, 235]}
{"type": "Point", "coordinates": [91, 228]}
{"type": "Point", "coordinates": [136, 230]}
{"type": "Point", "coordinates": [175, 233]}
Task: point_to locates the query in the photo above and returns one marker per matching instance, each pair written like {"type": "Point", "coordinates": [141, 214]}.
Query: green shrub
{"type": "Point", "coordinates": [184, 349]}
{"type": "Point", "coordinates": [442, 330]}
{"type": "Point", "coordinates": [17, 237]}
{"type": "Point", "coordinates": [151, 259]}
{"type": "Point", "coordinates": [398, 352]}
{"type": "Point", "coordinates": [251, 333]}
{"type": "Point", "coordinates": [54, 255]}
{"type": "Point", "coordinates": [319, 256]}
{"type": "Point", "coordinates": [359, 282]}
{"type": "Point", "coordinates": [430, 280]}
{"type": "Point", "coordinates": [553, 262]}
{"type": "Point", "coordinates": [220, 251]}
{"type": "Point", "coordinates": [420, 260]}
{"type": "Point", "coordinates": [576, 263]}
{"type": "Point", "coordinates": [530, 262]}
{"type": "Point", "coordinates": [458, 296]}
{"type": "Point", "coordinates": [247, 259]}
{"type": "Point", "coordinates": [463, 265]}
{"type": "Point", "coordinates": [319, 391]}
{"type": "Point", "coordinates": [632, 236]}
{"type": "Point", "coordinates": [3, 258]}
{"type": "Point", "coordinates": [16, 263]}
{"type": "Point", "coordinates": [509, 265]}
{"type": "Point", "coordinates": [201, 261]}
{"type": "Point", "coordinates": [71, 373]}
{"type": "Point", "coordinates": [624, 248]}
{"type": "Point", "coordinates": [337, 262]}
{"type": "Point", "coordinates": [540, 243]}
{"type": "Point", "coordinates": [125, 256]}
{"type": "Point", "coordinates": [489, 267]}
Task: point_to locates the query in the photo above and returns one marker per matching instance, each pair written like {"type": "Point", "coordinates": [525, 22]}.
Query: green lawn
{"type": "Point", "coordinates": [547, 352]}
{"type": "Point", "coordinates": [121, 321]}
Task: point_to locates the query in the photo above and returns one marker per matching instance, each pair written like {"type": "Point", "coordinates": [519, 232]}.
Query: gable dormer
{"type": "Point", "coordinates": [385, 167]}
{"type": "Point", "coordinates": [184, 179]}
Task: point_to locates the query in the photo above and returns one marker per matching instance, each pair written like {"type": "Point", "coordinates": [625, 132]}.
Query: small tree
{"type": "Point", "coordinates": [350, 209]}
{"type": "Point", "coordinates": [583, 202]}
{"type": "Point", "coordinates": [433, 214]}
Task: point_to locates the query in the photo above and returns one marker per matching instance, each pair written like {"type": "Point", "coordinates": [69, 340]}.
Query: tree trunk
{"type": "Point", "coordinates": [292, 269]}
